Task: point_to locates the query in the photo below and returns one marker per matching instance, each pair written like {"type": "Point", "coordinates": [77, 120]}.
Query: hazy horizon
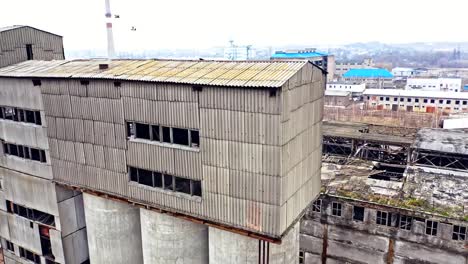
{"type": "Point", "coordinates": [208, 23]}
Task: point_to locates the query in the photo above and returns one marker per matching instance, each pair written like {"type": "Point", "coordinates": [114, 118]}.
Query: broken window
{"type": "Point", "coordinates": [31, 214]}
{"type": "Point", "coordinates": [431, 228]}
{"type": "Point", "coordinates": [142, 131]}
{"type": "Point", "coordinates": [196, 188]}
{"type": "Point", "coordinates": [38, 119]}
{"type": "Point", "coordinates": [29, 52]}
{"type": "Point", "coordinates": [168, 182]}
{"type": "Point", "coordinates": [405, 222]}
{"type": "Point", "coordinates": [133, 174]}
{"type": "Point", "coordinates": [180, 136]}
{"type": "Point", "coordinates": [43, 156]}
{"type": "Point", "coordinates": [145, 177]}
{"type": "Point", "coordinates": [10, 113]}
{"type": "Point", "coordinates": [358, 213]}
{"type": "Point", "coordinates": [29, 116]}
{"type": "Point", "coordinates": [336, 209]}
{"type": "Point", "coordinates": [317, 206]}
{"type": "Point", "coordinates": [13, 149]}
{"type": "Point", "coordinates": [166, 132]}
{"type": "Point", "coordinates": [384, 218]}
{"type": "Point", "coordinates": [157, 178]}
{"type": "Point", "coordinates": [26, 254]}
{"type": "Point", "coordinates": [182, 185]}
{"type": "Point", "coordinates": [35, 154]}
{"type": "Point", "coordinates": [155, 133]}
{"type": "Point", "coordinates": [194, 138]}
{"type": "Point", "coordinates": [301, 257]}
{"type": "Point", "coordinates": [459, 233]}
{"type": "Point", "coordinates": [130, 129]}
{"type": "Point", "coordinates": [10, 246]}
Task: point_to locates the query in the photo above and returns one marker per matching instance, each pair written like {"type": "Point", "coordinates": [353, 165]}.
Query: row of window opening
{"type": "Point", "coordinates": [25, 152]}
{"type": "Point", "coordinates": [164, 134]}
{"type": "Point", "coordinates": [20, 115]}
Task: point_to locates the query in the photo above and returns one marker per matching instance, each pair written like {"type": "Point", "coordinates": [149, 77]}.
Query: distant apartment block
{"type": "Point", "coordinates": [415, 101]}
{"type": "Point", "coordinates": [321, 59]}
{"type": "Point", "coordinates": [168, 154]}
{"type": "Point", "coordinates": [373, 78]}
{"type": "Point", "coordinates": [21, 43]}
{"type": "Point", "coordinates": [434, 84]}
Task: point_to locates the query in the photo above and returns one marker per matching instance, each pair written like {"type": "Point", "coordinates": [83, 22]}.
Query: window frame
{"type": "Point", "coordinates": [337, 209]}
{"type": "Point", "coordinates": [432, 226]}
{"type": "Point", "coordinates": [317, 206]}
{"type": "Point", "coordinates": [459, 235]}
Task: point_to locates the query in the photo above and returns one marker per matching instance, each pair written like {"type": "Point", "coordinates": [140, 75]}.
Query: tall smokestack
{"type": "Point", "coordinates": [110, 36]}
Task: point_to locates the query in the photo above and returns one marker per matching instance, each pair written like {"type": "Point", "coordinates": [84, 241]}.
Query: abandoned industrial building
{"type": "Point", "coordinates": [21, 43]}
{"type": "Point", "coordinates": [389, 195]}
{"type": "Point", "coordinates": [157, 150]}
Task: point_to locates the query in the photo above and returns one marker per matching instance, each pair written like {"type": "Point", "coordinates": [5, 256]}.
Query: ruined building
{"type": "Point", "coordinates": [389, 195]}
{"type": "Point", "coordinates": [21, 43]}
{"type": "Point", "coordinates": [194, 161]}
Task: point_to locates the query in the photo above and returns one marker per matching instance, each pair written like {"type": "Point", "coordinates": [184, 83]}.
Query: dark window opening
{"type": "Point", "coordinates": [13, 149]}
{"type": "Point", "coordinates": [36, 82]}
{"type": "Point", "coordinates": [2, 113]}
{"type": "Point", "coordinates": [10, 246]}
{"type": "Point", "coordinates": [182, 185]}
{"type": "Point", "coordinates": [134, 174]}
{"type": "Point", "coordinates": [10, 113]}
{"type": "Point", "coordinates": [31, 214]}
{"type": "Point", "coordinates": [195, 138]}
{"type": "Point", "coordinates": [405, 222]}
{"type": "Point", "coordinates": [431, 228]}
{"type": "Point", "coordinates": [27, 153]}
{"type": "Point", "coordinates": [196, 188]}
{"type": "Point", "coordinates": [29, 52]}
{"type": "Point", "coordinates": [465, 102]}
{"type": "Point", "coordinates": [24, 253]}
{"type": "Point", "coordinates": [43, 156]}
{"type": "Point", "coordinates": [38, 120]}
{"type": "Point", "coordinates": [166, 131]}
{"type": "Point", "coordinates": [402, 99]}
{"type": "Point", "coordinates": [180, 136]}
{"type": "Point", "coordinates": [432, 101]}
{"type": "Point", "coordinates": [35, 154]}
{"type": "Point", "coordinates": [358, 213]}
{"type": "Point", "coordinates": [336, 209]}
{"type": "Point", "coordinates": [459, 233]}
{"type": "Point", "coordinates": [168, 182]}
{"type": "Point", "coordinates": [416, 100]}
{"type": "Point", "coordinates": [425, 100]}
{"type": "Point", "coordinates": [82, 82]}
{"type": "Point", "coordinates": [301, 257]}
{"type": "Point", "coordinates": [449, 101]}
{"type": "Point", "coordinates": [117, 84]}
{"type": "Point", "coordinates": [317, 206]}
{"type": "Point", "coordinates": [142, 131]}
{"type": "Point", "coordinates": [457, 102]}
{"type": "Point", "coordinates": [21, 115]}
{"type": "Point", "coordinates": [155, 133]}
{"type": "Point", "coordinates": [145, 177]}
{"type": "Point", "coordinates": [157, 179]}
{"type": "Point", "coordinates": [130, 129]}
{"type": "Point", "coordinates": [384, 218]}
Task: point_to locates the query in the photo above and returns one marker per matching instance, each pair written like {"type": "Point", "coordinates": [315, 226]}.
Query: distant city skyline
{"type": "Point", "coordinates": [208, 23]}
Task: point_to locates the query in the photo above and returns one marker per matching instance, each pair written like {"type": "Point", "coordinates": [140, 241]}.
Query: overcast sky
{"type": "Point", "coordinates": [196, 24]}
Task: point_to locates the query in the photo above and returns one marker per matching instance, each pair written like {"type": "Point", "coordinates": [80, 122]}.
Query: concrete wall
{"type": "Point", "coordinates": [344, 240]}
{"type": "Point", "coordinates": [230, 248]}
{"type": "Point", "coordinates": [113, 231]}
{"type": "Point", "coordinates": [166, 239]}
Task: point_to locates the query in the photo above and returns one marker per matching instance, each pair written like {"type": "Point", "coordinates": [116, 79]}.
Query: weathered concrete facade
{"type": "Point", "coordinates": [403, 201]}
{"type": "Point", "coordinates": [21, 43]}
{"type": "Point", "coordinates": [39, 219]}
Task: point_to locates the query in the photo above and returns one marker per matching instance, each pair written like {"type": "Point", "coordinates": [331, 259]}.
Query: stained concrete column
{"type": "Point", "coordinates": [113, 229]}
{"type": "Point", "coordinates": [230, 248]}
{"type": "Point", "coordinates": [167, 239]}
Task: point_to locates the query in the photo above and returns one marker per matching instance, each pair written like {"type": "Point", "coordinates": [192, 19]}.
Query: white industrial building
{"type": "Point", "coordinates": [346, 86]}
{"type": "Point", "coordinates": [416, 101]}
{"type": "Point", "coordinates": [434, 84]}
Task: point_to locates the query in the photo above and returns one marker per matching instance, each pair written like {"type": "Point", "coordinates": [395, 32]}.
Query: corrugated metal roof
{"type": "Point", "coordinates": [368, 73]}
{"type": "Point", "coordinates": [416, 93]}
{"type": "Point", "coordinates": [442, 140]}
{"type": "Point", "coordinates": [215, 73]}
{"type": "Point", "coordinates": [2, 29]}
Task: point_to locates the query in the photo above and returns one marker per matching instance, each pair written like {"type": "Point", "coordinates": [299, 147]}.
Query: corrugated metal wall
{"type": "Point", "coordinates": [301, 127]}
{"type": "Point", "coordinates": [259, 155]}
{"type": "Point", "coordinates": [13, 42]}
